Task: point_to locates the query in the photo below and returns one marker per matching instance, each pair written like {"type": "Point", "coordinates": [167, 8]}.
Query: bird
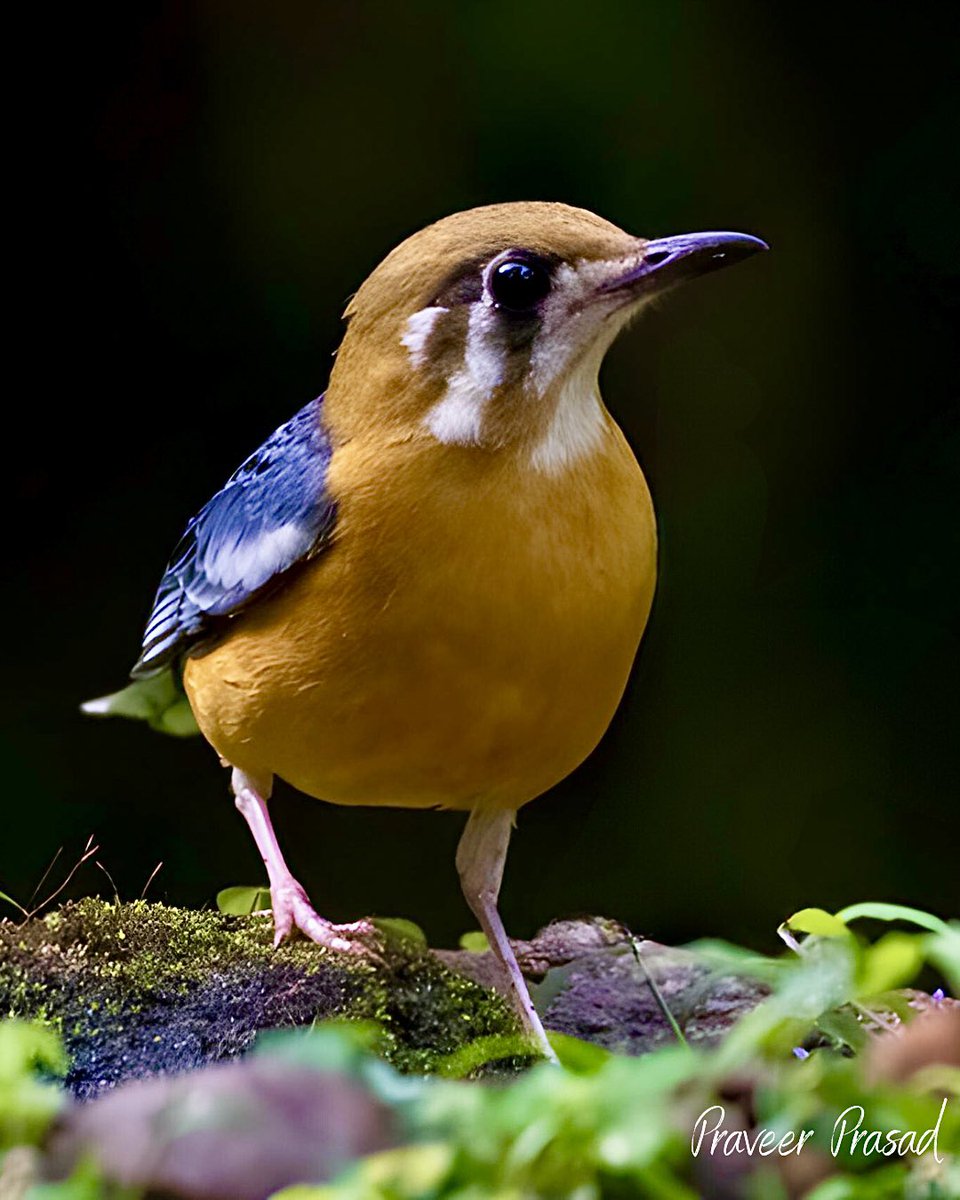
{"type": "Point", "coordinates": [427, 588]}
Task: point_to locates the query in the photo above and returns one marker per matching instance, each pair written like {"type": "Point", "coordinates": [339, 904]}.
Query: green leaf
{"type": "Point", "coordinates": [399, 930]}
{"type": "Point", "coordinates": [24, 1045]}
{"type": "Point", "coordinates": [159, 700]}
{"type": "Point", "coordinates": [10, 900]}
{"type": "Point", "coordinates": [726, 956]}
{"type": "Point", "coordinates": [891, 962]}
{"type": "Point", "coordinates": [820, 980]}
{"type": "Point", "coordinates": [27, 1104]}
{"type": "Point", "coordinates": [892, 912]}
{"type": "Point", "coordinates": [474, 941]}
{"type": "Point", "coordinates": [84, 1184]}
{"type": "Point", "coordinates": [943, 950]}
{"type": "Point", "coordinates": [308, 1191]}
{"type": "Point", "coordinates": [242, 901]}
{"type": "Point", "coordinates": [842, 1026]}
{"type": "Point", "coordinates": [887, 1183]}
{"type": "Point", "coordinates": [578, 1056]}
{"type": "Point", "coordinates": [818, 922]}
{"type": "Point", "coordinates": [416, 1170]}
{"type": "Point", "coordinates": [177, 720]}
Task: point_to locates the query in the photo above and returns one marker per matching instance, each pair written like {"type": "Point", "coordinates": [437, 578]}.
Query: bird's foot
{"type": "Point", "coordinates": [293, 910]}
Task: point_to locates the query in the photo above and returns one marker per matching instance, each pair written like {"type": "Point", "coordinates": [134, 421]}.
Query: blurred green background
{"type": "Point", "coordinates": [200, 187]}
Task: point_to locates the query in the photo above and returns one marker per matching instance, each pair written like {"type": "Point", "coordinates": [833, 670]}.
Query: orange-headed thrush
{"type": "Point", "coordinates": [427, 588]}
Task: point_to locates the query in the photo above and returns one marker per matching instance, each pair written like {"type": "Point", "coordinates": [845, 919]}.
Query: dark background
{"type": "Point", "coordinates": [199, 188]}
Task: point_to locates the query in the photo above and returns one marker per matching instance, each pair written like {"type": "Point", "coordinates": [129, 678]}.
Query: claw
{"type": "Point", "coordinates": [293, 910]}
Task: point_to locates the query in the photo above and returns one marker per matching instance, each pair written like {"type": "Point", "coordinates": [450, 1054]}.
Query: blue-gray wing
{"type": "Point", "coordinates": [273, 513]}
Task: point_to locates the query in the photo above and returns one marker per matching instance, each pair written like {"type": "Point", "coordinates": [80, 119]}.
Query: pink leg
{"type": "Point", "coordinates": [480, 859]}
{"type": "Point", "coordinates": [291, 907]}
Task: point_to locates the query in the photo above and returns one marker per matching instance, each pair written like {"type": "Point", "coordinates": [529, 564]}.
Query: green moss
{"type": "Point", "coordinates": [427, 1013]}
{"type": "Point", "coordinates": [149, 945]}
{"type": "Point", "coordinates": [140, 987]}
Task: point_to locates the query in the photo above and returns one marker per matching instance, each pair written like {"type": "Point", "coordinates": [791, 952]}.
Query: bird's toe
{"type": "Point", "coordinates": [292, 911]}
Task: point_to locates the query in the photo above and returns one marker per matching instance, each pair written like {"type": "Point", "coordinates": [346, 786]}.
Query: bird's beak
{"type": "Point", "coordinates": [666, 261]}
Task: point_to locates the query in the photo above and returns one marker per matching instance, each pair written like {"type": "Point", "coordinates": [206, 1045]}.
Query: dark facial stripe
{"type": "Point", "coordinates": [462, 286]}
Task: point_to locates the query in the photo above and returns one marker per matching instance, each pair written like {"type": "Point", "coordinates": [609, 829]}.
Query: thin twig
{"type": "Point", "coordinates": [45, 876]}
{"type": "Point", "coordinates": [88, 852]}
{"type": "Point", "coordinates": [652, 984]}
{"type": "Point", "coordinates": [116, 894]}
{"type": "Point", "coordinates": [153, 875]}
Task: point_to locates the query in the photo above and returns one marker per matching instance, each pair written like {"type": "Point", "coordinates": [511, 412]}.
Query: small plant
{"type": "Point", "coordinates": [801, 1096]}
{"type": "Point", "coordinates": [797, 1071]}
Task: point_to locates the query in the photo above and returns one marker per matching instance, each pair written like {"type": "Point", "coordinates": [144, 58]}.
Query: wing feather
{"type": "Point", "coordinates": [272, 513]}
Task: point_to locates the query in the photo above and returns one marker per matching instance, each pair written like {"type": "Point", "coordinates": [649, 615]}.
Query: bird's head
{"type": "Point", "coordinates": [487, 329]}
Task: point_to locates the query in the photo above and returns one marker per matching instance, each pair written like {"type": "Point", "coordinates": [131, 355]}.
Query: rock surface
{"type": "Point", "coordinates": [587, 981]}
{"type": "Point", "coordinates": [141, 989]}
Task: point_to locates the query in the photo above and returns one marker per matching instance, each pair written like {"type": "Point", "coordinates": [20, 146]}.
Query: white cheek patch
{"type": "Point", "coordinates": [417, 333]}
{"type": "Point", "coordinates": [457, 417]}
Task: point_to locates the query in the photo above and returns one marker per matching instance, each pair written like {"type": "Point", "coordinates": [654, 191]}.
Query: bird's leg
{"type": "Point", "coordinates": [291, 907]}
{"type": "Point", "coordinates": [480, 859]}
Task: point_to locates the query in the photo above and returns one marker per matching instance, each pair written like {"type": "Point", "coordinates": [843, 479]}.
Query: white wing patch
{"type": "Point", "coordinates": [256, 559]}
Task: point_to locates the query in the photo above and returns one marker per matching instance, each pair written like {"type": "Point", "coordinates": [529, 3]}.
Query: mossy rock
{"type": "Point", "coordinates": [140, 989]}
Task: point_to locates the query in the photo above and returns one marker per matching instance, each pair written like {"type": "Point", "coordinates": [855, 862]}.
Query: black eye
{"type": "Point", "coordinates": [519, 284]}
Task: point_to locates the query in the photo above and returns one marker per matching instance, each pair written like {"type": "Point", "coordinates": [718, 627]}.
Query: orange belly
{"type": "Point", "coordinates": [465, 640]}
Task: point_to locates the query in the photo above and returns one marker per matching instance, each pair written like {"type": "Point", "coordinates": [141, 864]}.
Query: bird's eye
{"type": "Point", "coordinates": [519, 284]}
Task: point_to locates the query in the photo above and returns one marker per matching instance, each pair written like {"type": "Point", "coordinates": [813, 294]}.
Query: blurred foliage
{"type": "Point", "coordinates": [85, 1183]}
{"type": "Point", "coordinates": [27, 1103]}
{"type": "Point", "coordinates": [604, 1125]}
{"type": "Point", "coordinates": [475, 940]}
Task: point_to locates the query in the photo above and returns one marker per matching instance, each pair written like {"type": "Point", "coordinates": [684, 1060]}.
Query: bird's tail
{"type": "Point", "coordinates": [159, 700]}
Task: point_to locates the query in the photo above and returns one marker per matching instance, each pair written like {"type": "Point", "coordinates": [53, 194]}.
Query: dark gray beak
{"type": "Point", "coordinates": [670, 260]}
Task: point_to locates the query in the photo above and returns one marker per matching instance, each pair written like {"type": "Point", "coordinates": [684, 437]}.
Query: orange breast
{"type": "Point", "coordinates": [466, 639]}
